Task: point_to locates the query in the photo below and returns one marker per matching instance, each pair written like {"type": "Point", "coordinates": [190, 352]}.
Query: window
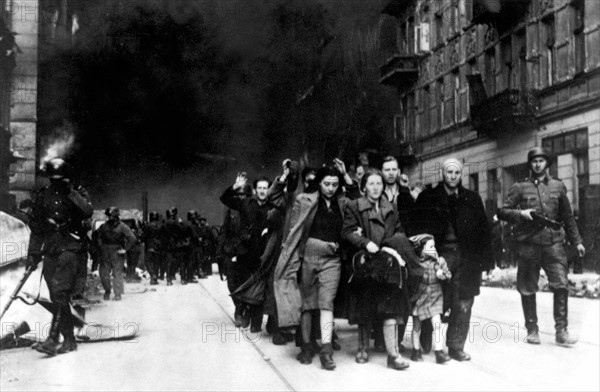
{"type": "Point", "coordinates": [474, 182]}
{"type": "Point", "coordinates": [577, 11]}
{"type": "Point", "coordinates": [440, 100]}
{"type": "Point", "coordinates": [425, 107]}
{"type": "Point", "coordinates": [456, 95]}
{"type": "Point", "coordinates": [490, 72]}
{"type": "Point", "coordinates": [439, 26]}
{"type": "Point", "coordinates": [549, 35]}
{"type": "Point", "coordinates": [507, 63]}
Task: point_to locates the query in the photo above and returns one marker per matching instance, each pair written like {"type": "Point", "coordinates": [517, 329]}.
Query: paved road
{"type": "Point", "coordinates": [187, 342]}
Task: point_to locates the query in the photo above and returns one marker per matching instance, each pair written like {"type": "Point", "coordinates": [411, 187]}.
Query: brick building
{"type": "Point", "coordinates": [487, 80]}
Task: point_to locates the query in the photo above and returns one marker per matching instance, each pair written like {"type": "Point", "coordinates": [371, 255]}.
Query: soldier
{"type": "Point", "coordinates": [115, 238]}
{"type": "Point", "coordinates": [180, 236]}
{"type": "Point", "coordinates": [154, 238]}
{"type": "Point", "coordinates": [207, 244]}
{"type": "Point", "coordinates": [196, 250]}
{"type": "Point", "coordinates": [57, 235]}
{"type": "Point", "coordinates": [540, 207]}
{"type": "Point", "coordinates": [135, 254]}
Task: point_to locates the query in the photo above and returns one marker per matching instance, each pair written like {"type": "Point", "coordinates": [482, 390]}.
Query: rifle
{"type": "Point", "coordinates": [17, 289]}
{"type": "Point", "coordinates": [544, 221]}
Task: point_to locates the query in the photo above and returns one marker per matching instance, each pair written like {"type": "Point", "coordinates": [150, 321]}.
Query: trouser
{"type": "Point", "coordinates": [113, 262]}
{"type": "Point", "coordinates": [134, 256]}
{"type": "Point", "coordinates": [184, 259]}
{"type": "Point", "coordinates": [81, 279]}
{"type": "Point", "coordinates": [60, 273]}
{"type": "Point", "coordinates": [460, 318]}
{"type": "Point", "coordinates": [153, 263]}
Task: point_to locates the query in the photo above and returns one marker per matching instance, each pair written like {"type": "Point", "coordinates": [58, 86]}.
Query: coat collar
{"type": "Point", "coordinates": [386, 207]}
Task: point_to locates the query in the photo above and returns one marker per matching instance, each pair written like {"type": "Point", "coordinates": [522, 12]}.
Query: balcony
{"type": "Point", "coordinates": [397, 8]}
{"type": "Point", "coordinates": [500, 12]}
{"type": "Point", "coordinates": [506, 113]}
{"type": "Point", "coordinates": [400, 71]}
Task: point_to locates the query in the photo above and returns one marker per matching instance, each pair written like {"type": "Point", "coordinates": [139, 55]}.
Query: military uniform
{"type": "Point", "coordinates": [135, 254]}
{"type": "Point", "coordinates": [180, 236]}
{"type": "Point", "coordinates": [58, 235]}
{"type": "Point", "coordinates": [115, 239]}
{"type": "Point", "coordinates": [154, 239]}
{"type": "Point", "coordinates": [541, 246]}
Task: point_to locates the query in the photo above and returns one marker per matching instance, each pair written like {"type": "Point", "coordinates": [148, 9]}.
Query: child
{"type": "Point", "coordinates": [428, 301]}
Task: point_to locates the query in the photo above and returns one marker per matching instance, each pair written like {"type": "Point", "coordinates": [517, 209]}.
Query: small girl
{"type": "Point", "coordinates": [428, 301]}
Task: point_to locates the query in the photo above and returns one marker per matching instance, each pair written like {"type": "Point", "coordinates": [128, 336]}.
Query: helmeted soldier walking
{"type": "Point", "coordinates": [539, 206]}
{"type": "Point", "coordinates": [154, 238]}
{"type": "Point", "coordinates": [57, 235]}
{"type": "Point", "coordinates": [115, 238]}
{"type": "Point", "coordinates": [180, 235]}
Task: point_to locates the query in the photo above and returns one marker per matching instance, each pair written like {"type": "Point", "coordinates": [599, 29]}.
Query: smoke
{"type": "Point", "coordinates": [59, 144]}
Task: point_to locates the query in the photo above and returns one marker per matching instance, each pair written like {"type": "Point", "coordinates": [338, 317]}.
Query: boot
{"type": "Point", "coordinates": [561, 298]}
{"type": "Point", "coordinates": [362, 356]}
{"type": "Point", "coordinates": [416, 355]}
{"type": "Point", "coordinates": [326, 357]}
{"type": "Point", "coordinates": [69, 343]}
{"type": "Point", "coordinates": [51, 345]}
{"type": "Point", "coordinates": [394, 360]}
{"type": "Point", "coordinates": [529, 310]}
{"type": "Point", "coordinates": [107, 295]}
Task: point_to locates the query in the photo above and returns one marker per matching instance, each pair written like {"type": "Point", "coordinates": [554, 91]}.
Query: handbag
{"type": "Point", "coordinates": [379, 268]}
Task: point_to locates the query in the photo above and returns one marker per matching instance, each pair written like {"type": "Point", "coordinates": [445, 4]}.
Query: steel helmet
{"type": "Point", "coordinates": [153, 216]}
{"type": "Point", "coordinates": [112, 211]}
{"type": "Point", "coordinates": [538, 152]}
{"type": "Point", "coordinates": [171, 212]}
{"type": "Point", "coordinates": [192, 214]}
{"type": "Point", "coordinates": [56, 168]}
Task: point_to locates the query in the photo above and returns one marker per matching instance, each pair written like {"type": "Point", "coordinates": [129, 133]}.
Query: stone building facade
{"type": "Point", "coordinates": [487, 80]}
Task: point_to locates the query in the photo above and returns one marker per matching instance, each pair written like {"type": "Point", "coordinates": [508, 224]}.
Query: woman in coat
{"type": "Point", "coordinates": [372, 223]}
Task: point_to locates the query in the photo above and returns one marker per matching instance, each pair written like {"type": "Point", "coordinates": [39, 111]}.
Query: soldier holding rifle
{"type": "Point", "coordinates": [540, 208]}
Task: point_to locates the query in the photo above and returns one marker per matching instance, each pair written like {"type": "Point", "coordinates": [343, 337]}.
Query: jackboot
{"type": "Point", "coordinates": [530, 312]}
{"type": "Point", "coordinates": [416, 355]}
{"type": "Point", "coordinates": [51, 345]}
{"type": "Point", "coordinates": [69, 343]}
{"type": "Point", "coordinates": [326, 357]}
{"type": "Point", "coordinates": [561, 311]}
{"type": "Point", "coordinates": [390, 337]}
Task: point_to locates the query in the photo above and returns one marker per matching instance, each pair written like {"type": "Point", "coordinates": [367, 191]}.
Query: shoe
{"type": "Point", "coordinates": [279, 339]}
{"type": "Point", "coordinates": [563, 338]}
{"type": "Point", "coordinates": [397, 363]}
{"type": "Point", "coordinates": [416, 356]}
{"type": "Point", "coordinates": [441, 357]}
{"type": "Point", "coordinates": [306, 354]}
{"type": "Point", "coordinates": [533, 336]}
{"type": "Point", "coordinates": [459, 355]}
{"type": "Point", "coordinates": [326, 357]}
{"type": "Point", "coordinates": [51, 345]}
{"type": "Point", "coordinates": [153, 282]}
{"type": "Point", "coordinates": [117, 297]}
{"type": "Point", "coordinates": [192, 281]}
{"type": "Point", "coordinates": [169, 282]}
{"type": "Point", "coordinates": [69, 344]}
{"type": "Point", "coordinates": [106, 296]}
{"type": "Point", "coordinates": [362, 356]}
{"type": "Point", "coordinates": [255, 329]}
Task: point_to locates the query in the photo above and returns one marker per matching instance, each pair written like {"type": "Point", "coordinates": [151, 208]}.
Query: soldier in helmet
{"type": "Point", "coordinates": [208, 246]}
{"type": "Point", "coordinates": [539, 244]}
{"type": "Point", "coordinates": [115, 238]}
{"type": "Point", "coordinates": [180, 236]}
{"type": "Point", "coordinates": [195, 249]}
{"type": "Point", "coordinates": [57, 235]}
{"type": "Point", "coordinates": [154, 238]}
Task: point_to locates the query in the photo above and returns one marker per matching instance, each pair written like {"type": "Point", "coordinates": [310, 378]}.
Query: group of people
{"type": "Point", "coordinates": [370, 249]}
{"type": "Point", "coordinates": [171, 246]}
{"type": "Point", "coordinates": [376, 251]}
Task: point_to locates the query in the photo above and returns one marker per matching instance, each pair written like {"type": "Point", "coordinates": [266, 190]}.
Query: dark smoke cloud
{"type": "Point", "coordinates": [165, 96]}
